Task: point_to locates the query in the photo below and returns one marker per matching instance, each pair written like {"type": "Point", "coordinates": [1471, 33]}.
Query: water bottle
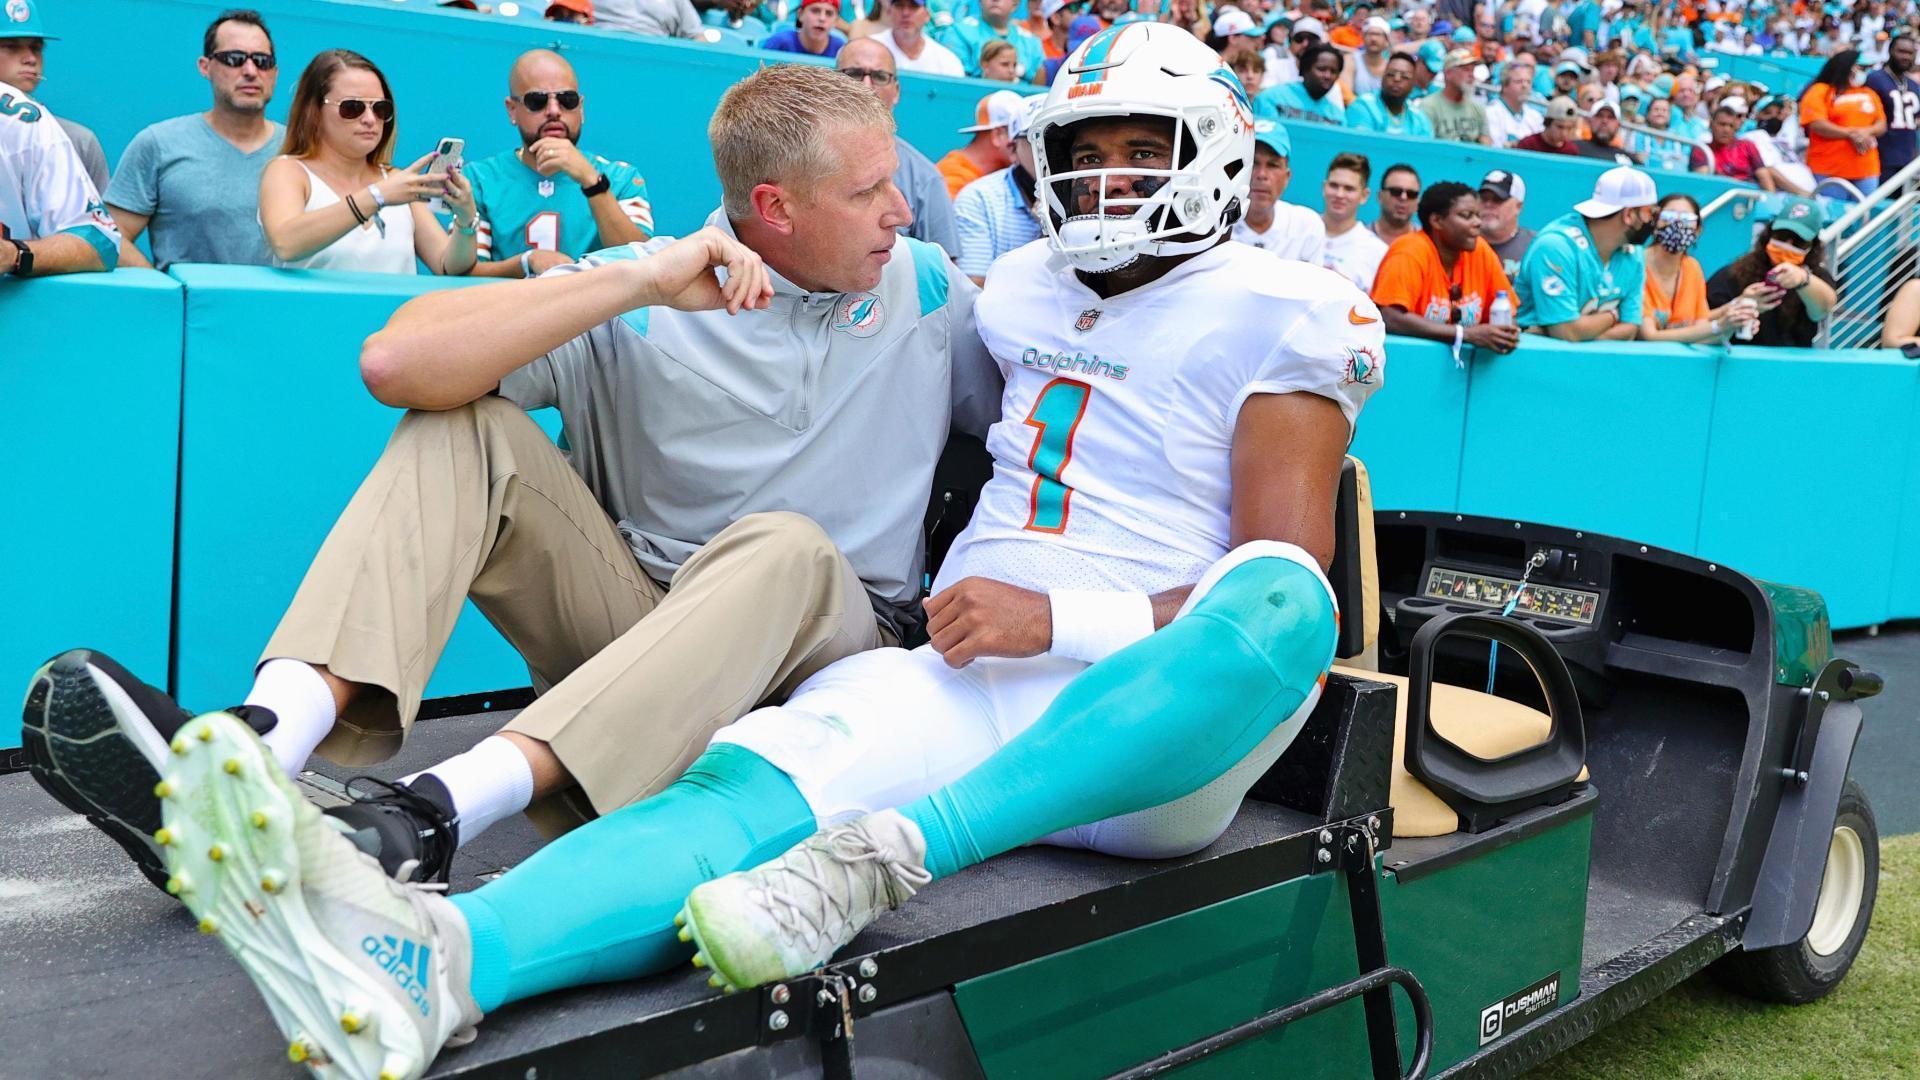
{"type": "Point", "coordinates": [1501, 313]}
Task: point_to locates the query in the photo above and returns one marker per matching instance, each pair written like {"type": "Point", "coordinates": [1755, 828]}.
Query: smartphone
{"type": "Point", "coordinates": [446, 158]}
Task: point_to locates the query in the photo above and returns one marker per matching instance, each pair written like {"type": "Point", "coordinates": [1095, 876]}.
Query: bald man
{"type": "Point", "coordinates": [549, 202]}
{"type": "Point", "coordinates": [916, 177]}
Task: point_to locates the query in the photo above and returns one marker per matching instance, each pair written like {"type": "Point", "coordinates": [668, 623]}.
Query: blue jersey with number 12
{"type": "Point", "coordinates": [520, 210]}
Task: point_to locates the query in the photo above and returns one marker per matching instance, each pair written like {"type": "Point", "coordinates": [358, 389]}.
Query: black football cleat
{"type": "Point", "coordinates": [96, 739]}
{"type": "Point", "coordinates": [409, 828]}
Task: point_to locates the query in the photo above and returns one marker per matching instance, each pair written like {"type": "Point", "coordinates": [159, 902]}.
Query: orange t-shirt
{"type": "Point", "coordinates": [959, 171]}
{"type": "Point", "coordinates": [1686, 306]}
{"type": "Point", "coordinates": [1854, 107]}
{"type": "Point", "coordinates": [1344, 36]}
{"type": "Point", "coordinates": [1412, 277]}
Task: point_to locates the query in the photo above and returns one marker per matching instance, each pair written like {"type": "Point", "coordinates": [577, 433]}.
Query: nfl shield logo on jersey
{"type": "Point", "coordinates": [1086, 320]}
{"type": "Point", "coordinates": [546, 189]}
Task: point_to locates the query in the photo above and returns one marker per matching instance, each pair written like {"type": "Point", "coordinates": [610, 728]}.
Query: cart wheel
{"type": "Point", "coordinates": [1811, 967]}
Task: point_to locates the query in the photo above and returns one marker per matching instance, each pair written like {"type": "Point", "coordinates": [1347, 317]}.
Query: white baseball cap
{"type": "Point", "coordinates": [1029, 108]}
{"type": "Point", "coordinates": [996, 110]}
{"type": "Point", "coordinates": [1377, 23]}
{"type": "Point", "coordinates": [1308, 25]}
{"type": "Point", "coordinates": [1619, 189]}
{"type": "Point", "coordinates": [1232, 22]}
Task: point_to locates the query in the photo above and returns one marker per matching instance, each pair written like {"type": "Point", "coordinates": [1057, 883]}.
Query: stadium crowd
{"type": "Point", "coordinates": [1625, 81]}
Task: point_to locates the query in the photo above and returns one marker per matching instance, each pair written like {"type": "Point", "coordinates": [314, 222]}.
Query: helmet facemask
{"type": "Point", "coordinates": [1177, 210]}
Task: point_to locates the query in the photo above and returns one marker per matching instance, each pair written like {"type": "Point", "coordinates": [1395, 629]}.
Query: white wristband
{"type": "Point", "coordinates": [379, 200]}
{"type": "Point", "coordinates": [1091, 625]}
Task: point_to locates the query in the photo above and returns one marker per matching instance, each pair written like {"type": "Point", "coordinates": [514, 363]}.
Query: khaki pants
{"type": "Point", "coordinates": [477, 502]}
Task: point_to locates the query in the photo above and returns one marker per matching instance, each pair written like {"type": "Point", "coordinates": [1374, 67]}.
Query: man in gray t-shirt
{"type": "Point", "coordinates": [194, 180]}
{"type": "Point", "coordinates": [663, 18]}
{"type": "Point", "coordinates": [917, 178]}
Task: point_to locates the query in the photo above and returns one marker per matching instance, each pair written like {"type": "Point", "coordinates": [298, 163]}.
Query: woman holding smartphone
{"type": "Point", "coordinates": [1785, 275]}
{"type": "Point", "coordinates": [1673, 296]}
{"type": "Point", "coordinates": [331, 201]}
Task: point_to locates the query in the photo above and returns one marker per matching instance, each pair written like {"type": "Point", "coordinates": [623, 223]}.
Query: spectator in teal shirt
{"type": "Point", "coordinates": [1581, 277]}
{"type": "Point", "coordinates": [995, 22]}
{"type": "Point", "coordinates": [1386, 110]}
{"type": "Point", "coordinates": [1312, 99]}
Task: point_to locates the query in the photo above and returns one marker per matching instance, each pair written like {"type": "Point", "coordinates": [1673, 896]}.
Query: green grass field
{"type": "Point", "coordinates": [1868, 1028]}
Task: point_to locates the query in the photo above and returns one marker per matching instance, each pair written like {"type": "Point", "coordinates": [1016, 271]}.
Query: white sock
{"type": "Point", "coordinates": [489, 783]}
{"type": "Point", "coordinates": [301, 704]}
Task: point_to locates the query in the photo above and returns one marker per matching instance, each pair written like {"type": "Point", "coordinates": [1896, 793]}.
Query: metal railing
{"type": "Point", "coordinates": [1870, 253]}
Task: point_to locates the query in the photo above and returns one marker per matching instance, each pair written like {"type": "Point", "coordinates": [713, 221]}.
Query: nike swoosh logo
{"type": "Point", "coordinates": [1357, 319]}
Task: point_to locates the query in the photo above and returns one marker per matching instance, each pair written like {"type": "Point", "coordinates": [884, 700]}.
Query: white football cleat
{"type": "Point", "coordinates": [789, 916]}
{"type": "Point", "coordinates": [367, 977]}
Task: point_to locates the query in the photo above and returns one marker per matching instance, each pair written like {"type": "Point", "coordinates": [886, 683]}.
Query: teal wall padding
{"type": "Point", "coordinates": [648, 98]}
{"type": "Point", "coordinates": [1789, 465]}
{"type": "Point", "coordinates": [90, 367]}
{"type": "Point", "coordinates": [278, 432]}
{"type": "Point", "coordinates": [1905, 599]}
{"type": "Point", "coordinates": [1779, 74]}
{"type": "Point", "coordinates": [1806, 474]}
{"type": "Point", "coordinates": [1409, 434]}
{"type": "Point", "coordinates": [1608, 439]}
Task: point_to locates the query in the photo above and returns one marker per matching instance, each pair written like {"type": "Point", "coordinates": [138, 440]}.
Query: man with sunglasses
{"type": "Point", "coordinates": [192, 183]}
{"type": "Point", "coordinates": [548, 202]}
{"type": "Point", "coordinates": [1399, 197]}
{"type": "Point", "coordinates": [870, 62]}
{"type": "Point", "coordinates": [23, 59]}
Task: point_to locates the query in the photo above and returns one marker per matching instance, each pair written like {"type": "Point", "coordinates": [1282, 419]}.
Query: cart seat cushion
{"type": "Point", "coordinates": [1478, 723]}
{"type": "Point", "coordinates": [1369, 564]}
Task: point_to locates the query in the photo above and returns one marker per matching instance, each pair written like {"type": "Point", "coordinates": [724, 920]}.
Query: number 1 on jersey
{"type": "Point", "coordinates": [1056, 413]}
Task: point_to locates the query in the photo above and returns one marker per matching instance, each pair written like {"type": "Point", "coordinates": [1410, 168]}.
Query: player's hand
{"type": "Point", "coordinates": [978, 617]}
{"type": "Point", "coordinates": [682, 274]}
{"type": "Point", "coordinates": [1501, 339]}
{"type": "Point", "coordinates": [543, 261]}
{"type": "Point", "coordinates": [410, 185]}
{"type": "Point", "coordinates": [554, 154]}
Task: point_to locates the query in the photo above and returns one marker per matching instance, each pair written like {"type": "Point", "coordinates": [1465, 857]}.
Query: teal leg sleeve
{"type": "Point", "coordinates": [597, 905]}
{"type": "Point", "coordinates": [1154, 722]}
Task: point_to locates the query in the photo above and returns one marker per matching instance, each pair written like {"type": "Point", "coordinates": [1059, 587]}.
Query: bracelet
{"type": "Point", "coordinates": [379, 200]}
{"type": "Point", "coordinates": [1092, 625]}
{"type": "Point", "coordinates": [359, 215]}
{"type": "Point", "coordinates": [1713, 326]}
{"type": "Point", "coordinates": [526, 264]}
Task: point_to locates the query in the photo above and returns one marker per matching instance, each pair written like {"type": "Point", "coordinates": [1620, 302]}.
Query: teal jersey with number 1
{"type": "Point", "coordinates": [520, 210]}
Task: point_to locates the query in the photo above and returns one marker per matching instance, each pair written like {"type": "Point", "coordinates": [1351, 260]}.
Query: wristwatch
{"type": "Point", "coordinates": [600, 186]}
{"type": "Point", "coordinates": [22, 259]}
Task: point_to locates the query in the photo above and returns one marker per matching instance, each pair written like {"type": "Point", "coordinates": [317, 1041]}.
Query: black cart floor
{"type": "Point", "coordinates": [102, 975]}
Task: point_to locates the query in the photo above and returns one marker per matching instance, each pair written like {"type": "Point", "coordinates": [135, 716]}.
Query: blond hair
{"type": "Point", "coordinates": [774, 127]}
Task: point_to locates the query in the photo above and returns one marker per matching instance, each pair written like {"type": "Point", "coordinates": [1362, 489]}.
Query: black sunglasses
{"type": "Point", "coordinates": [536, 100]}
{"type": "Point", "coordinates": [235, 58]}
{"type": "Point", "coordinates": [1400, 192]}
{"type": "Point", "coordinates": [880, 77]}
{"type": "Point", "coordinates": [351, 108]}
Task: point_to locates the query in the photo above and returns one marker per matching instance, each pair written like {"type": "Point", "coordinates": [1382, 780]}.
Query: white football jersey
{"type": "Point", "coordinates": [43, 184]}
{"type": "Point", "coordinates": [1112, 454]}
{"type": "Point", "coordinates": [1296, 233]}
